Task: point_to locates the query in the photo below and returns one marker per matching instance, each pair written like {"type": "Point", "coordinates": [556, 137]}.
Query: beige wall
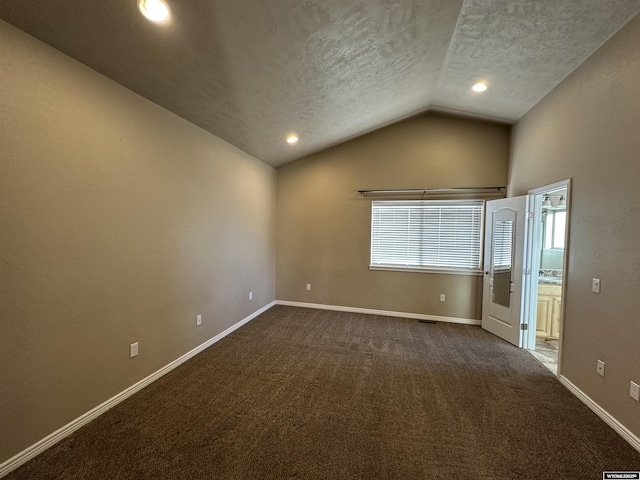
{"type": "Point", "coordinates": [587, 130]}
{"type": "Point", "coordinates": [324, 225]}
{"type": "Point", "coordinates": [119, 222]}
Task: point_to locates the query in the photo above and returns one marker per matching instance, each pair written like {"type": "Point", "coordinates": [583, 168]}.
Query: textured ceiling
{"type": "Point", "coordinates": [252, 71]}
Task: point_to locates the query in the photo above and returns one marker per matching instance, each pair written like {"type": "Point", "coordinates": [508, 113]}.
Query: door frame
{"type": "Point", "coordinates": [533, 249]}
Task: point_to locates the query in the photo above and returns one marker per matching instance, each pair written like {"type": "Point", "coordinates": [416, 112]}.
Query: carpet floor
{"type": "Point", "coordinates": [310, 394]}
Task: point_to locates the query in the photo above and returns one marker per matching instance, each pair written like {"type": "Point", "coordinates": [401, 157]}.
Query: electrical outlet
{"type": "Point", "coordinates": [634, 391]}
{"type": "Point", "coordinates": [308, 286]}
{"type": "Point", "coordinates": [199, 319]}
{"type": "Point", "coordinates": [250, 295]}
{"type": "Point", "coordinates": [600, 368]}
{"type": "Point", "coordinates": [595, 285]}
{"type": "Point", "coordinates": [133, 350]}
{"type": "Point", "coordinates": [442, 297]}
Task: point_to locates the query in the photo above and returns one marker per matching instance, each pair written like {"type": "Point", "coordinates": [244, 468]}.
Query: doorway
{"type": "Point", "coordinates": [544, 291]}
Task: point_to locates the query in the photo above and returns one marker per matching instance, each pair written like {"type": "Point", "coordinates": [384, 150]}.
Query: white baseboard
{"type": "Point", "coordinates": [388, 313]}
{"type": "Point", "coordinates": [623, 431]}
{"type": "Point", "coordinates": [50, 440]}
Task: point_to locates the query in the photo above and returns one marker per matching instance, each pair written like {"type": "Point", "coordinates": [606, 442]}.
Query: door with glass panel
{"type": "Point", "coordinates": [505, 230]}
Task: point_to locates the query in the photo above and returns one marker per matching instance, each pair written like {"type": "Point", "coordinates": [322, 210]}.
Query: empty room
{"type": "Point", "coordinates": [319, 240]}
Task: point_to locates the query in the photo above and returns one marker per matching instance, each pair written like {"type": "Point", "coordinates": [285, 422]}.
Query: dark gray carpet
{"type": "Point", "coordinates": [309, 394]}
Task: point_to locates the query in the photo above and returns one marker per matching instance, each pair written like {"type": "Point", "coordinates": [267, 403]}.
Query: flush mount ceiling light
{"type": "Point", "coordinates": [154, 10]}
{"type": "Point", "coordinates": [292, 139]}
{"type": "Point", "coordinates": [480, 87]}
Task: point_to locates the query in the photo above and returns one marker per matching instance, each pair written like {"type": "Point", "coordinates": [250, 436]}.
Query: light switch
{"type": "Point", "coordinates": [634, 391]}
{"type": "Point", "coordinates": [595, 285]}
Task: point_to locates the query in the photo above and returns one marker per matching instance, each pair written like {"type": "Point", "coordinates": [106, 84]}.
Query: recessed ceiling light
{"type": "Point", "coordinates": [479, 87]}
{"type": "Point", "coordinates": [154, 10]}
{"type": "Point", "coordinates": [292, 139]}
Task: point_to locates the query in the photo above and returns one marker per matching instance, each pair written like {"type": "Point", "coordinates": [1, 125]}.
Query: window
{"type": "Point", "coordinates": [554, 229]}
{"type": "Point", "coordinates": [427, 235]}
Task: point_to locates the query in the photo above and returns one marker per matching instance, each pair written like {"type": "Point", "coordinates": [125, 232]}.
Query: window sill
{"type": "Point", "coordinates": [474, 273]}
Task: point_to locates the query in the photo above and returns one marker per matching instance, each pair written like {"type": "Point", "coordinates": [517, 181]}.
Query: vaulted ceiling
{"type": "Point", "coordinates": [253, 71]}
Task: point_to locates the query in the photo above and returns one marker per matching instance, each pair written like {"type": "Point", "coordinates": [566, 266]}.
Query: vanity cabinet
{"type": "Point", "coordinates": [548, 316]}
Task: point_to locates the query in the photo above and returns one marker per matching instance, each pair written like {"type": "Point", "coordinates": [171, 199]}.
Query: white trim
{"type": "Point", "coordinates": [50, 440]}
{"type": "Point", "coordinates": [551, 187]}
{"type": "Point", "coordinates": [388, 313]}
{"type": "Point", "coordinates": [475, 273]}
{"type": "Point", "coordinates": [623, 431]}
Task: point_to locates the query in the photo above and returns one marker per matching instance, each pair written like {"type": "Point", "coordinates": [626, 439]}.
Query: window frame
{"type": "Point", "coordinates": [550, 216]}
{"type": "Point", "coordinates": [432, 268]}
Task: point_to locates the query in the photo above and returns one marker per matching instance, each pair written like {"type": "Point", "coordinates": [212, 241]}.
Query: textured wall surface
{"type": "Point", "coordinates": [586, 129]}
{"type": "Point", "coordinates": [324, 225]}
{"type": "Point", "coordinates": [119, 222]}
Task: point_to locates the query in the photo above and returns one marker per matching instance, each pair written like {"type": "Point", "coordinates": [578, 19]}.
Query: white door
{"type": "Point", "coordinates": [504, 252]}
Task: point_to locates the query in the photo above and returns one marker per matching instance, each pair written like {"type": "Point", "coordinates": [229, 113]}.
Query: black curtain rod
{"type": "Point", "coordinates": [432, 190]}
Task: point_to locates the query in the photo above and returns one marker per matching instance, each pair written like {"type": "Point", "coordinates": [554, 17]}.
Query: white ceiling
{"type": "Point", "coordinates": [252, 71]}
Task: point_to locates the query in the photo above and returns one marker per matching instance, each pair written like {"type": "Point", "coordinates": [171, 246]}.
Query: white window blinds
{"type": "Point", "coordinates": [428, 234]}
{"type": "Point", "coordinates": [502, 245]}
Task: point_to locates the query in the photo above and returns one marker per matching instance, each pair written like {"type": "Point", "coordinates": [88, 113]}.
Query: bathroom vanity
{"type": "Point", "coordinates": [548, 317]}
